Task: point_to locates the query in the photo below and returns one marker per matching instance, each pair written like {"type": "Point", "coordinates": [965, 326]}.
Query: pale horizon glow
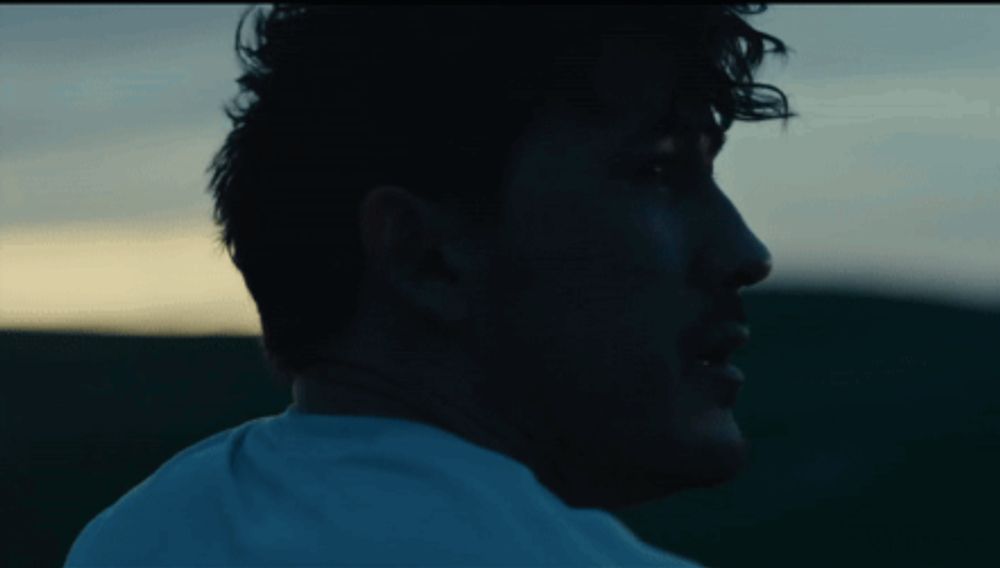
{"type": "Point", "coordinates": [173, 282]}
{"type": "Point", "coordinates": [169, 281]}
{"type": "Point", "coordinates": [889, 181]}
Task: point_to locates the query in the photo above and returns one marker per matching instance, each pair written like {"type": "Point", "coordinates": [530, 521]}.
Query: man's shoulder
{"type": "Point", "coordinates": [225, 498]}
{"type": "Point", "coordinates": [230, 499]}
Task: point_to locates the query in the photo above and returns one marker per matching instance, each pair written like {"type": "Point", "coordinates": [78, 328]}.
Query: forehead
{"type": "Point", "coordinates": [632, 105]}
{"type": "Point", "coordinates": [639, 99]}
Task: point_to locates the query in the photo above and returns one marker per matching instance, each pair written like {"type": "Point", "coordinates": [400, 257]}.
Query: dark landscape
{"type": "Point", "coordinates": [874, 424]}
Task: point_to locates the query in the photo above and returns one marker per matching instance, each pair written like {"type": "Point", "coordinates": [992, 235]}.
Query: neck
{"type": "Point", "coordinates": [346, 387]}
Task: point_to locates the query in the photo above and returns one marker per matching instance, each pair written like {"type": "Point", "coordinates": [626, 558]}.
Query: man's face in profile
{"type": "Point", "coordinates": [604, 275]}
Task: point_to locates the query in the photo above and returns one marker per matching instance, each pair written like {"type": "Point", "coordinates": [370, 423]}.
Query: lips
{"type": "Point", "coordinates": [717, 344]}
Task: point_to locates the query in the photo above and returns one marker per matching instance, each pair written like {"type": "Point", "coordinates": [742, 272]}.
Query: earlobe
{"type": "Point", "coordinates": [441, 301]}
{"type": "Point", "coordinates": [443, 288]}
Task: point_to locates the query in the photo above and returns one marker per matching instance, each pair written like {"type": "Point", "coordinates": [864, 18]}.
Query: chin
{"type": "Point", "coordinates": [715, 461]}
{"type": "Point", "coordinates": [695, 465]}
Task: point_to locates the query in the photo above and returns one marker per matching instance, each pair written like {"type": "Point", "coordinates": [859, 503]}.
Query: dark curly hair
{"type": "Point", "coordinates": [431, 98]}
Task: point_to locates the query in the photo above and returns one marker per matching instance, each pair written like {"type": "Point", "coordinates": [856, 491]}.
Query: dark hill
{"type": "Point", "coordinates": [875, 425]}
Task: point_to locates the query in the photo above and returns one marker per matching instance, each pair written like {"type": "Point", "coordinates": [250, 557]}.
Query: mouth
{"type": "Point", "coordinates": [713, 351]}
{"type": "Point", "coordinates": [710, 362]}
{"type": "Point", "coordinates": [723, 381]}
{"type": "Point", "coordinates": [716, 346]}
{"type": "Point", "coordinates": [723, 371]}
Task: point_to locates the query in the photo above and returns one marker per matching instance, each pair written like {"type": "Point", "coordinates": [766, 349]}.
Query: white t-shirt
{"type": "Point", "coordinates": [298, 489]}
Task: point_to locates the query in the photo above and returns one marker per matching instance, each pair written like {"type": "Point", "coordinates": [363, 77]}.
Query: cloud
{"type": "Point", "coordinates": [116, 177]}
{"type": "Point", "coordinates": [891, 175]}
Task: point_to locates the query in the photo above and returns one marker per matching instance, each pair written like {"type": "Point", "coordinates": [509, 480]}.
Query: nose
{"type": "Point", "coordinates": [738, 258]}
{"type": "Point", "coordinates": [753, 270]}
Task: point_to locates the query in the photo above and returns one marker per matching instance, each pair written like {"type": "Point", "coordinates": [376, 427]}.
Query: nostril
{"type": "Point", "coordinates": [755, 272]}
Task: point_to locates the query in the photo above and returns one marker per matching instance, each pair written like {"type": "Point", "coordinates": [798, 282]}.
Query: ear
{"type": "Point", "coordinates": [416, 254]}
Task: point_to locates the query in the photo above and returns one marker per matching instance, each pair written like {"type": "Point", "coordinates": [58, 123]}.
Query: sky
{"type": "Point", "coordinates": [888, 181]}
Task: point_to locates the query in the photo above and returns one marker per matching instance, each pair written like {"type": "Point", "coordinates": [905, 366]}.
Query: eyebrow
{"type": "Point", "coordinates": [716, 140]}
{"type": "Point", "coordinates": [662, 131]}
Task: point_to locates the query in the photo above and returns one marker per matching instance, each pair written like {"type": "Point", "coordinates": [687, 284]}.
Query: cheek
{"type": "Point", "coordinates": [665, 237]}
{"type": "Point", "coordinates": [599, 290]}
{"type": "Point", "coordinates": [602, 311]}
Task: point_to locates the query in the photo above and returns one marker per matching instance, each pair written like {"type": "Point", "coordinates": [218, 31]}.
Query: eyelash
{"type": "Point", "coordinates": [668, 173]}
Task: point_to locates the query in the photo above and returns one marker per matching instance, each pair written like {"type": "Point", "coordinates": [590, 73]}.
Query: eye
{"type": "Point", "coordinates": [669, 173]}
{"type": "Point", "coordinates": [658, 169]}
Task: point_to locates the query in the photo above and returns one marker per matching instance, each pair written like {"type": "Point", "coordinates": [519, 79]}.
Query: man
{"type": "Point", "coordinates": [490, 259]}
